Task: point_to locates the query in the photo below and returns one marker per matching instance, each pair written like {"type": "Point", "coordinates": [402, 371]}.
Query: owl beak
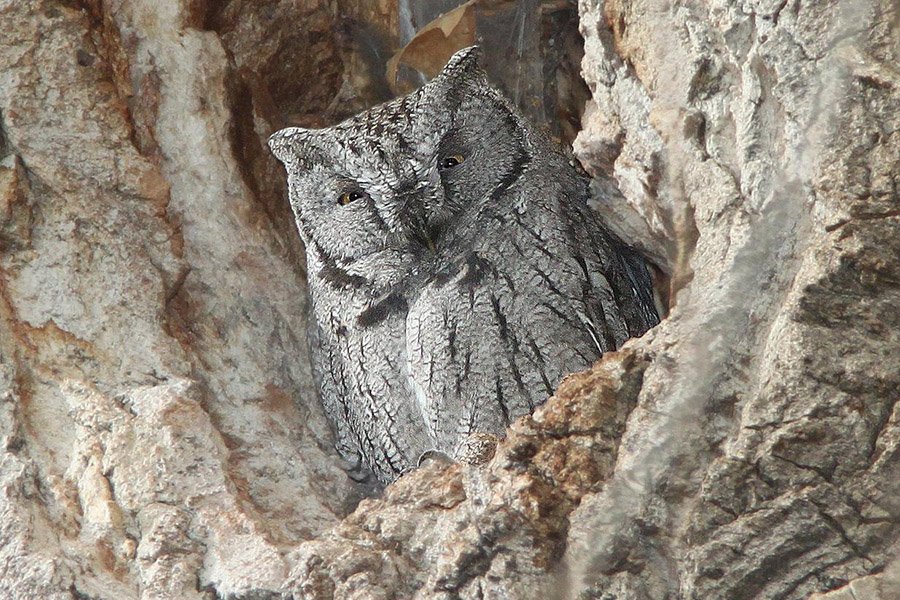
{"type": "Point", "coordinates": [421, 234]}
{"type": "Point", "coordinates": [415, 222]}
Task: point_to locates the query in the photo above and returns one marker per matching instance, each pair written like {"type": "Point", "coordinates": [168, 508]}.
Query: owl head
{"type": "Point", "coordinates": [397, 176]}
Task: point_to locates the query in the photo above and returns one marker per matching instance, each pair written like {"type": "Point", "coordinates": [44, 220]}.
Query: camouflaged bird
{"type": "Point", "coordinates": [456, 271]}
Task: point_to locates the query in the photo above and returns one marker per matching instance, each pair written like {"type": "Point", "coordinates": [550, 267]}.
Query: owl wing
{"type": "Point", "coordinates": [640, 311]}
{"type": "Point", "coordinates": [619, 277]}
{"type": "Point", "coordinates": [332, 379]}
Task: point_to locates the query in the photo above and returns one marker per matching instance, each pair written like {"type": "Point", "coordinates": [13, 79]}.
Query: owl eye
{"type": "Point", "coordinates": [348, 197]}
{"type": "Point", "coordinates": [448, 162]}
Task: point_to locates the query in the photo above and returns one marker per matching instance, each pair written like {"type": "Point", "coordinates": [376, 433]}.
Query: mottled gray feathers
{"type": "Point", "coordinates": [456, 271]}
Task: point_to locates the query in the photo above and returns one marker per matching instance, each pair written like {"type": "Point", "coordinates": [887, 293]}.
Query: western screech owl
{"type": "Point", "coordinates": [456, 271]}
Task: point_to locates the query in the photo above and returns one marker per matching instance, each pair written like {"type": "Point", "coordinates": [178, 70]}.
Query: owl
{"type": "Point", "coordinates": [456, 272]}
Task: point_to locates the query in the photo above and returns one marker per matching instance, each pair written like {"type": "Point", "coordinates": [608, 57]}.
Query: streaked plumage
{"type": "Point", "coordinates": [456, 271]}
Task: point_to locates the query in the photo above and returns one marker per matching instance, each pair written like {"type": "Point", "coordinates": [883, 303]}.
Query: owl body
{"type": "Point", "coordinates": [456, 270]}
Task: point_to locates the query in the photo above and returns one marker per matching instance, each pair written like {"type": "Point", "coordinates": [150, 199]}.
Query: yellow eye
{"type": "Point", "coordinates": [448, 162]}
{"type": "Point", "coordinates": [348, 197]}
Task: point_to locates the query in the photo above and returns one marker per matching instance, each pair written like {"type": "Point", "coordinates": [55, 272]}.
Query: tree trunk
{"type": "Point", "coordinates": [159, 433]}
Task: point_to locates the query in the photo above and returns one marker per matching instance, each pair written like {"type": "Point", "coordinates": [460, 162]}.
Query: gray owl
{"type": "Point", "coordinates": [456, 271]}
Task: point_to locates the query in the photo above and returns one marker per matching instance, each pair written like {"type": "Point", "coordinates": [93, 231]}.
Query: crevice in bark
{"type": "Point", "coordinates": [110, 57]}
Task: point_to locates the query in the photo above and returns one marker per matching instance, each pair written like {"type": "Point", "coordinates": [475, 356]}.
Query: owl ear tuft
{"type": "Point", "coordinates": [462, 64]}
{"type": "Point", "coordinates": [289, 144]}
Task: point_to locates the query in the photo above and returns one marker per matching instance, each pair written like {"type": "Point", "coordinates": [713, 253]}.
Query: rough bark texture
{"type": "Point", "coordinates": [159, 437]}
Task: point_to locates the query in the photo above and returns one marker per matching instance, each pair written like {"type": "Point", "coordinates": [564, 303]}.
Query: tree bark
{"type": "Point", "coordinates": [159, 432]}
